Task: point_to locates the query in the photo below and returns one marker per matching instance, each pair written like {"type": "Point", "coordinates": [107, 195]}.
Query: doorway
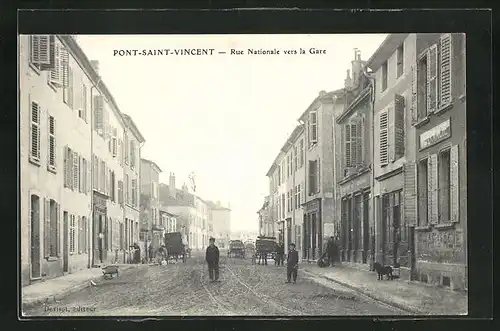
{"type": "Point", "coordinates": [35, 238]}
{"type": "Point", "coordinates": [65, 242]}
{"type": "Point", "coordinates": [366, 227]}
{"type": "Point", "coordinates": [313, 236]}
{"type": "Point", "coordinates": [411, 244]}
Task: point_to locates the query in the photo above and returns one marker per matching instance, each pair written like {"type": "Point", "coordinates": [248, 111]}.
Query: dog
{"type": "Point", "coordinates": [383, 271]}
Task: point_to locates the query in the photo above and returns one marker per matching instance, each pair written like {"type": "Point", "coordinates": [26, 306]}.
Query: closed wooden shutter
{"type": "Point", "coordinates": [346, 128]}
{"type": "Point", "coordinates": [445, 70]}
{"type": "Point", "coordinates": [89, 177]}
{"type": "Point", "coordinates": [46, 227]}
{"type": "Point", "coordinates": [432, 189]}
{"type": "Point", "coordinates": [70, 169]}
{"type": "Point", "coordinates": [414, 94]}
{"type": "Point", "coordinates": [99, 113]}
{"type": "Point", "coordinates": [313, 125]}
{"type": "Point", "coordinates": [78, 91]}
{"type": "Point", "coordinates": [399, 126]}
{"type": "Point", "coordinates": [64, 67]}
{"type": "Point", "coordinates": [40, 49]}
{"type": "Point", "coordinates": [57, 225]}
{"type": "Point", "coordinates": [80, 174]}
{"type": "Point", "coordinates": [52, 142]}
{"type": "Point", "coordinates": [432, 67]}
{"type": "Point", "coordinates": [76, 171]}
{"type": "Point", "coordinates": [391, 133]}
{"type": "Point", "coordinates": [56, 72]}
{"type": "Point", "coordinates": [71, 92]}
{"type": "Point", "coordinates": [132, 155]}
{"type": "Point", "coordinates": [354, 143]}
{"type": "Point", "coordinates": [360, 130]}
{"type": "Point", "coordinates": [35, 113]}
{"type": "Point", "coordinates": [454, 184]}
{"type": "Point", "coordinates": [318, 176]}
{"type": "Point", "coordinates": [84, 102]}
{"type": "Point", "coordinates": [410, 193]}
{"type": "Point", "coordinates": [383, 138]}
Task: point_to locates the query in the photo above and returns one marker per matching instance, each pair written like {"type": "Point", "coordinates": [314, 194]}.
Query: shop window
{"type": "Point", "coordinates": [423, 178]}
{"type": "Point", "coordinates": [446, 281]}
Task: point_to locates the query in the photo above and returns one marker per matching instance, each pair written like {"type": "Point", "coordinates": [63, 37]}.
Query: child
{"type": "Point", "coordinates": [292, 264]}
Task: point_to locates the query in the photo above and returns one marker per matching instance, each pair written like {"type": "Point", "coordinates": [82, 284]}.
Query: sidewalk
{"type": "Point", "coordinates": [56, 288]}
{"type": "Point", "coordinates": [413, 297]}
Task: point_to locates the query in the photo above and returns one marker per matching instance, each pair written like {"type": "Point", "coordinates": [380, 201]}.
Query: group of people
{"type": "Point", "coordinates": [212, 258]}
{"type": "Point", "coordinates": [331, 255]}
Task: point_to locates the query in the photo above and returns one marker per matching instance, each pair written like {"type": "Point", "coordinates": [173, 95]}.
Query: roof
{"type": "Point", "coordinates": [385, 50]}
{"type": "Point", "coordinates": [151, 163]}
{"type": "Point", "coordinates": [213, 206]}
{"type": "Point", "coordinates": [323, 98]}
{"type": "Point", "coordinates": [360, 97]}
{"type": "Point", "coordinates": [131, 124]}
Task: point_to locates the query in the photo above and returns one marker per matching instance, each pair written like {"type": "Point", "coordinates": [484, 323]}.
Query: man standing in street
{"type": "Point", "coordinates": [292, 264]}
{"type": "Point", "coordinates": [280, 253]}
{"type": "Point", "coordinates": [212, 258]}
{"type": "Point", "coordinates": [331, 249]}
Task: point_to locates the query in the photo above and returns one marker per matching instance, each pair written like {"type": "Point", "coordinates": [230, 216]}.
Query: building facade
{"type": "Point", "coordinates": [221, 219]}
{"type": "Point", "coordinates": [353, 164]}
{"type": "Point", "coordinates": [168, 221]}
{"type": "Point", "coordinates": [319, 205]}
{"type": "Point", "coordinates": [151, 225]}
{"type": "Point", "coordinates": [266, 224]}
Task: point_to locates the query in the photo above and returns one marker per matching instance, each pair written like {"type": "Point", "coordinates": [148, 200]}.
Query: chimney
{"type": "Point", "coordinates": [171, 185]}
{"type": "Point", "coordinates": [95, 65]}
{"type": "Point", "coordinates": [322, 93]}
{"type": "Point", "coordinates": [348, 81]}
{"type": "Point", "coordinates": [356, 67]}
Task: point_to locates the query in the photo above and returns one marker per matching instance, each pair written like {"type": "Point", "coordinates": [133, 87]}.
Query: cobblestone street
{"type": "Point", "coordinates": [184, 289]}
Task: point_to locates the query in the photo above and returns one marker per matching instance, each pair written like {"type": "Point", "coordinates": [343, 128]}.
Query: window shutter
{"type": "Point", "coordinates": [70, 88]}
{"type": "Point", "coordinates": [40, 49]}
{"type": "Point", "coordinates": [114, 143]}
{"type": "Point", "coordinates": [46, 227]}
{"type": "Point", "coordinates": [64, 65]}
{"type": "Point", "coordinates": [89, 177]}
{"type": "Point", "coordinates": [57, 229]}
{"type": "Point", "coordinates": [454, 185]}
{"type": "Point", "coordinates": [80, 174]}
{"type": "Point", "coordinates": [126, 150]}
{"type": "Point", "coordinates": [414, 94]}
{"type": "Point", "coordinates": [360, 130]}
{"type": "Point", "coordinates": [78, 95]}
{"type": "Point", "coordinates": [432, 196]}
{"type": "Point", "coordinates": [347, 144]}
{"type": "Point", "coordinates": [35, 131]}
{"type": "Point", "coordinates": [313, 126]}
{"type": "Point", "coordinates": [318, 176]}
{"type": "Point", "coordinates": [84, 102]}
{"type": "Point", "coordinates": [432, 66]}
{"type": "Point", "coordinates": [76, 171]}
{"type": "Point", "coordinates": [391, 132]}
{"type": "Point", "coordinates": [445, 70]}
{"type": "Point", "coordinates": [56, 72]}
{"type": "Point", "coordinates": [383, 138]}
{"type": "Point", "coordinates": [52, 142]}
{"type": "Point", "coordinates": [399, 126]}
{"type": "Point", "coordinates": [410, 193]}
{"type": "Point", "coordinates": [66, 162]}
{"type": "Point", "coordinates": [99, 113]}
{"type": "Point", "coordinates": [70, 169]}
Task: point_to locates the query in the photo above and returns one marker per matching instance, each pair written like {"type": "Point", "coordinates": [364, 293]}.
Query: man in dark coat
{"type": "Point", "coordinates": [331, 249]}
{"type": "Point", "coordinates": [280, 254]}
{"type": "Point", "coordinates": [292, 264]}
{"type": "Point", "coordinates": [212, 258]}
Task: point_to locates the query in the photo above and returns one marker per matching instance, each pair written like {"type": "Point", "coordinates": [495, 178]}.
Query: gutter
{"type": "Point", "coordinates": [371, 77]}
{"type": "Point", "coordinates": [91, 216]}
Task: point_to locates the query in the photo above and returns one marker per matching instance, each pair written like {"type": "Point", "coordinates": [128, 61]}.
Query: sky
{"type": "Point", "coordinates": [223, 117]}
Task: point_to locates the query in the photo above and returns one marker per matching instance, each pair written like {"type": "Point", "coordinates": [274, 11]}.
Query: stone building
{"type": "Point", "coordinates": [151, 225]}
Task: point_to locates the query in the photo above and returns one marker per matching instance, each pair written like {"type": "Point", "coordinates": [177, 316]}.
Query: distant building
{"type": "Point", "coordinates": [150, 225]}
{"type": "Point", "coordinates": [168, 221]}
{"type": "Point", "coordinates": [266, 224]}
{"type": "Point", "coordinates": [221, 219]}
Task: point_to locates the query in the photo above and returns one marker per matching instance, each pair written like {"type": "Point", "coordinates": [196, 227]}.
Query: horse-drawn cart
{"type": "Point", "coordinates": [265, 248]}
{"type": "Point", "coordinates": [176, 248]}
{"type": "Point", "coordinates": [236, 248]}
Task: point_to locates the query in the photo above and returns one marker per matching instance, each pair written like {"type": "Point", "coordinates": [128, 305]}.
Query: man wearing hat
{"type": "Point", "coordinates": [212, 258]}
{"type": "Point", "coordinates": [292, 263]}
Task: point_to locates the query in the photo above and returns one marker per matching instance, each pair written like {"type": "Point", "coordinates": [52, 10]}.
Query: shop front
{"type": "Point", "coordinates": [99, 228]}
{"type": "Point", "coordinates": [313, 240]}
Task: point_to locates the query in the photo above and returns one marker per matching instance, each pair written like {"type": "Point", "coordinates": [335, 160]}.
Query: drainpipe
{"type": "Point", "coordinates": [90, 248]}
{"type": "Point", "coordinates": [371, 77]}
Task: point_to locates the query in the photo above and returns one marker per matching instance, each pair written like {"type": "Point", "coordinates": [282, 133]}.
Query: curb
{"type": "Point", "coordinates": [386, 301]}
{"type": "Point", "coordinates": [53, 297]}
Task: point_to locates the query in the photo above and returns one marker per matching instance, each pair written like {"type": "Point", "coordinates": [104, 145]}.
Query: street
{"type": "Point", "coordinates": [184, 289]}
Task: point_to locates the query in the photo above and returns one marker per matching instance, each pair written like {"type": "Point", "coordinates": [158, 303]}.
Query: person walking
{"type": "Point", "coordinates": [212, 258]}
{"type": "Point", "coordinates": [292, 264]}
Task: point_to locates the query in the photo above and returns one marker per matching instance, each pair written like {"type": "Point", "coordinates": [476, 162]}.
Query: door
{"type": "Point", "coordinates": [35, 237]}
{"type": "Point", "coordinates": [411, 251]}
{"type": "Point", "coordinates": [65, 242]}
{"type": "Point", "coordinates": [366, 227]}
{"type": "Point", "coordinates": [349, 228]}
{"type": "Point", "coordinates": [313, 236]}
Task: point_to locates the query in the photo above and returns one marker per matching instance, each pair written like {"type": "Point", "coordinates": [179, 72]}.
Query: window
{"type": "Point", "coordinates": [132, 154]}
{"type": "Point", "coordinates": [384, 138]}
{"type": "Point", "coordinates": [384, 76]}
{"type": "Point", "coordinates": [52, 143]}
{"type": "Point", "coordinates": [445, 70]}
{"type": "Point", "coordinates": [301, 158]}
{"type": "Point", "coordinates": [122, 237]}
{"type": "Point", "coordinates": [432, 68]}
{"type": "Point", "coordinates": [102, 179]}
{"type": "Point", "coordinates": [113, 189]}
{"type": "Point", "coordinates": [95, 179]}
{"type": "Point", "coordinates": [114, 139]}
{"type": "Point", "coordinates": [85, 234]}
{"type": "Point", "coordinates": [68, 92]}
{"type": "Point", "coordinates": [51, 229]}
{"type": "Point", "coordinates": [126, 147]}
{"type": "Point", "coordinates": [296, 157]}
{"type": "Point", "coordinates": [313, 177]}
{"type": "Point", "coordinates": [72, 234]}
{"type": "Point", "coordinates": [83, 113]}
{"type": "Point", "coordinates": [120, 192]}
{"type": "Point", "coordinates": [81, 235]}
{"type": "Point", "coordinates": [85, 187]}
{"type": "Point", "coordinates": [282, 216]}
{"type": "Point", "coordinates": [432, 189]}
{"type": "Point", "coordinates": [127, 198]}
{"type": "Point", "coordinates": [444, 186]}
{"type": "Point", "coordinates": [313, 127]}
{"type": "Point", "coordinates": [76, 172]}
{"type": "Point", "coordinates": [68, 168]}
{"type": "Point", "coordinates": [35, 132]}
{"type": "Point", "coordinates": [399, 126]}
{"type": "Point", "coordinates": [134, 192]}
{"type": "Point", "coordinates": [400, 63]}
{"type": "Point", "coordinates": [41, 49]}
{"type": "Point", "coordinates": [289, 165]}
{"type": "Point", "coordinates": [353, 143]}
{"type": "Point", "coordinates": [99, 114]}
{"type": "Point", "coordinates": [421, 89]}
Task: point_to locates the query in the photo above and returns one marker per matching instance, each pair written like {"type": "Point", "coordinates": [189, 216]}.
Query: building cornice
{"type": "Point", "coordinates": [131, 125]}
{"type": "Point", "coordinates": [352, 107]}
{"type": "Point", "coordinates": [152, 163]}
{"type": "Point", "coordinates": [385, 50]}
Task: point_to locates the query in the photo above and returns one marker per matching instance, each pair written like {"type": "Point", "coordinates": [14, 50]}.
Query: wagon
{"type": "Point", "coordinates": [236, 248]}
{"type": "Point", "coordinates": [265, 247]}
{"type": "Point", "coordinates": [176, 248]}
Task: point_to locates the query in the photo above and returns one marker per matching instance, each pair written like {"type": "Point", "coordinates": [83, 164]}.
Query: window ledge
{"type": "Point", "coordinates": [423, 228]}
{"type": "Point", "coordinates": [35, 69]}
{"type": "Point", "coordinates": [34, 161]}
{"type": "Point", "coordinates": [51, 258]}
{"type": "Point", "coordinates": [444, 226]}
{"type": "Point", "coordinates": [51, 169]}
{"type": "Point", "coordinates": [421, 122]}
{"type": "Point", "coordinates": [443, 109]}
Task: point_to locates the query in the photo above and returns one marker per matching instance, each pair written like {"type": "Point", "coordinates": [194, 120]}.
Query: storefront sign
{"type": "Point", "coordinates": [312, 206]}
{"type": "Point", "coordinates": [435, 135]}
